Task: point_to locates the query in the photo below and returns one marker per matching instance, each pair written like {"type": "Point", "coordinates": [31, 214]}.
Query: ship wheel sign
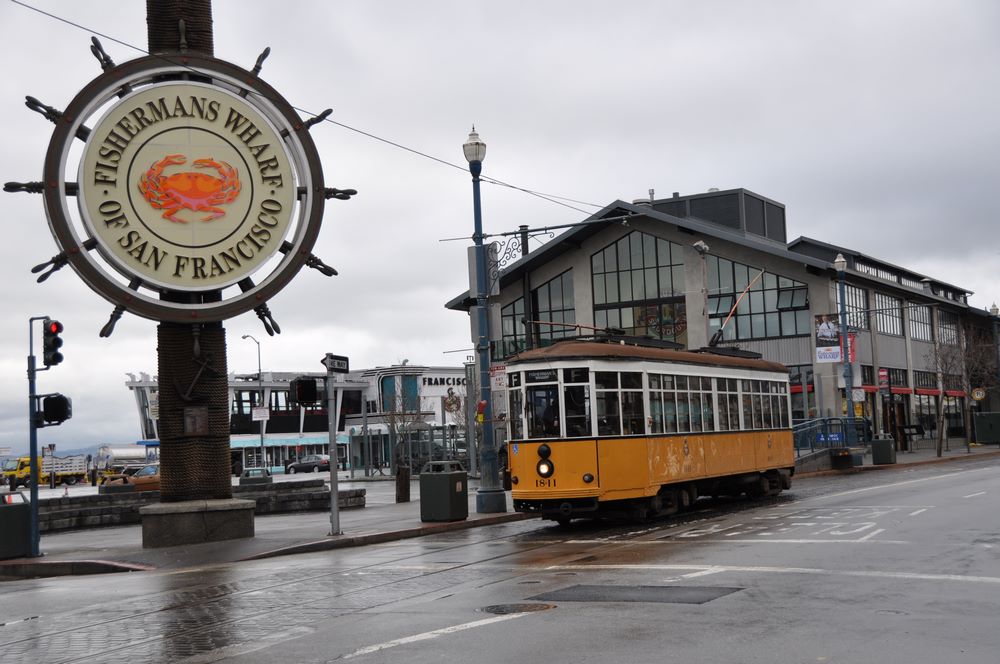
{"type": "Point", "coordinates": [182, 188]}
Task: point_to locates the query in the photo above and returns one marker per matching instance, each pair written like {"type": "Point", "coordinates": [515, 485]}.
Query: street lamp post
{"type": "Point", "coordinates": [995, 312]}
{"type": "Point", "coordinates": [840, 265]}
{"type": "Point", "coordinates": [260, 386]}
{"type": "Point", "coordinates": [490, 497]}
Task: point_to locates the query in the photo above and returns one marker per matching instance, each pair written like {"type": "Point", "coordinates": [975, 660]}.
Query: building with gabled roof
{"type": "Point", "coordinates": [688, 269]}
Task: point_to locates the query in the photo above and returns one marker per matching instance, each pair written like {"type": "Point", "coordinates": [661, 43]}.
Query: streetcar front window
{"type": "Point", "coordinates": [543, 411]}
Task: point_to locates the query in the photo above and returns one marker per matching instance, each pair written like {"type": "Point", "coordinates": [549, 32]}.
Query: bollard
{"type": "Point", "coordinates": [402, 483]}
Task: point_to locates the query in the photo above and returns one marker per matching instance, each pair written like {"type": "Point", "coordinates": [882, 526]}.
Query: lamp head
{"type": "Point", "coordinates": [994, 310]}
{"type": "Point", "coordinates": [840, 263]}
{"type": "Point", "coordinates": [474, 148]}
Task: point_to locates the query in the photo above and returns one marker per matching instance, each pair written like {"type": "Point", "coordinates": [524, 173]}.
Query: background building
{"type": "Point", "coordinates": [674, 269]}
{"type": "Point", "coordinates": [423, 408]}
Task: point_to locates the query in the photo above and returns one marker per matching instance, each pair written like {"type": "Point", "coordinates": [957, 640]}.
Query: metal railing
{"type": "Point", "coordinates": [830, 433]}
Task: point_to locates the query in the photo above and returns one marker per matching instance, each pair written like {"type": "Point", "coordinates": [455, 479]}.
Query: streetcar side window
{"type": "Point", "coordinates": [669, 412]}
{"type": "Point", "coordinates": [655, 407]}
{"type": "Point", "coordinates": [516, 415]}
{"type": "Point", "coordinates": [747, 404]}
{"type": "Point", "coordinates": [683, 409]}
{"type": "Point", "coordinates": [783, 405]}
{"type": "Point", "coordinates": [729, 417]}
{"type": "Point", "coordinates": [577, 404]}
{"type": "Point", "coordinates": [633, 415]}
{"type": "Point", "coordinates": [609, 420]}
{"type": "Point", "coordinates": [708, 411]}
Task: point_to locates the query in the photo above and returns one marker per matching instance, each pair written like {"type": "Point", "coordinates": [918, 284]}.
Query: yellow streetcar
{"type": "Point", "coordinates": [618, 427]}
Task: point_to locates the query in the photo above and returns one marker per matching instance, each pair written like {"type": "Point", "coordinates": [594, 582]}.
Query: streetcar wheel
{"type": "Point", "coordinates": [70, 481]}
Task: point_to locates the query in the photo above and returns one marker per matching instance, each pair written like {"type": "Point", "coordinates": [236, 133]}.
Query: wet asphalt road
{"type": "Point", "coordinates": [895, 566]}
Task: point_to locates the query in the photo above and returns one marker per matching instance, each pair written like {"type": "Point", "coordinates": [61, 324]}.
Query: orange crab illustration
{"type": "Point", "coordinates": [190, 190]}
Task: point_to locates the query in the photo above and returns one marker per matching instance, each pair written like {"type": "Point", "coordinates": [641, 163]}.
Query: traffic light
{"type": "Point", "coordinates": [51, 342]}
{"type": "Point", "coordinates": [302, 390]}
{"type": "Point", "coordinates": [56, 408]}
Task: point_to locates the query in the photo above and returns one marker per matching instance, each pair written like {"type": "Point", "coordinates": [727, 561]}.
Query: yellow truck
{"type": "Point", "coordinates": [68, 470]}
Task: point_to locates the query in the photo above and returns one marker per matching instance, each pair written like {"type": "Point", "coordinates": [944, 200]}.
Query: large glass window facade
{"type": "Point", "coordinates": [775, 306]}
{"type": "Point", "coordinates": [948, 328]}
{"type": "Point", "coordinates": [856, 305]}
{"type": "Point", "coordinates": [553, 303]}
{"type": "Point", "coordinates": [920, 323]}
{"type": "Point", "coordinates": [638, 286]}
{"type": "Point", "coordinates": [512, 339]}
{"type": "Point", "coordinates": [888, 314]}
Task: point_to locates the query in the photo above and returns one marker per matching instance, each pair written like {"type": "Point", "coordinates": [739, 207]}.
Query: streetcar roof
{"type": "Point", "coordinates": [591, 350]}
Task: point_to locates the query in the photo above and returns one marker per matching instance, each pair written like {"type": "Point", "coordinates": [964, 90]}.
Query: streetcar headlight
{"type": "Point", "coordinates": [545, 468]}
{"type": "Point", "coordinates": [544, 451]}
{"type": "Point", "coordinates": [588, 478]}
{"type": "Point", "coordinates": [513, 479]}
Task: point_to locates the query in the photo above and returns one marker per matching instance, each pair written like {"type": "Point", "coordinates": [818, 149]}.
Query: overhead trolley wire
{"type": "Point", "coordinates": [551, 198]}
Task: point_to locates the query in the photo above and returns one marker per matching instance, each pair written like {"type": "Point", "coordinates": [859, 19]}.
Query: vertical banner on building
{"type": "Point", "coordinates": [828, 342]}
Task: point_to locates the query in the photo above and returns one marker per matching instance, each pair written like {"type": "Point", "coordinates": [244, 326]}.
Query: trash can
{"type": "Point", "coordinates": [883, 450]}
{"type": "Point", "coordinates": [444, 491]}
{"type": "Point", "coordinates": [15, 526]}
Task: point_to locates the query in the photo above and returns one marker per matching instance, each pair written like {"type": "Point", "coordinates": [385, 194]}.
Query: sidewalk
{"type": "Point", "coordinates": [119, 549]}
{"type": "Point", "coordinates": [926, 453]}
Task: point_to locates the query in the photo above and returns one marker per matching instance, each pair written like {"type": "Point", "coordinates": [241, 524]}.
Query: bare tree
{"type": "Point", "coordinates": [968, 363]}
{"type": "Point", "coordinates": [947, 361]}
{"type": "Point", "coordinates": [402, 418]}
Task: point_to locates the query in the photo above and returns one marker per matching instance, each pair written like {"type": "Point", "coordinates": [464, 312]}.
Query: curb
{"type": "Point", "coordinates": [345, 541]}
{"type": "Point", "coordinates": [900, 466]}
{"type": "Point", "coordinates": [26, 568]}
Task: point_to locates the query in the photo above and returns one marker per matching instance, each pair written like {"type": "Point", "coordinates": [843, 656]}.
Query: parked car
{"type": "Point", "coordinates": [311, 463]}
{"type": "Point", "coordinates": [146, 478]}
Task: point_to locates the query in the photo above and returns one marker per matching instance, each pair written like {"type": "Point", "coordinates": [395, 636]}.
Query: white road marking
{"type": "Point", "coordinates": [909, 576]}
{"type": "Point", "coordinates": [895, 484]}
{"type": "Point", "coordinates": [431, 635]}
{"type": "Point", "coordinates": [973, 495]}
{"type": "Point", "coordinates": [919, 511]}
{"type": "Point", "coordinates": [871, 535]}
{"type": "Point", "coordinates": [863, 540]}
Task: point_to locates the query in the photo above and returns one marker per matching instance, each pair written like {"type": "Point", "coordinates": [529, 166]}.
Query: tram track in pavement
{"type": "Point", "coordinates": [199, 610]}
{"type": "Point", "coordinates": [178, 601]}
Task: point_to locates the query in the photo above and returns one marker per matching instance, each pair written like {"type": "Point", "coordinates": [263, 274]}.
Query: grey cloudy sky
{"type": "Point", "coordinates": [874, 122]}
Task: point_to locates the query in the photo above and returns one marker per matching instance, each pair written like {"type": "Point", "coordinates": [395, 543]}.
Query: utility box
{"type": "Point", "coordinates": [15, 526]}
{"type": "Point", "coordinates": [883, 450]}
{"type": "Point", "coordinates": [444, 491]}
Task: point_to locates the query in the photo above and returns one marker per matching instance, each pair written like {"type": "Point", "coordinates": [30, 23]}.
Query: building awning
{"type": "Point", "coordinates": [955, 393]}
{"type": "Point", "coordinates": [928, 392]}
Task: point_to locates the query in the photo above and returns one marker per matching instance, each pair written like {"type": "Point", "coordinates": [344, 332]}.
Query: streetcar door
{"type": "Point", "coordinates": [542, 410]}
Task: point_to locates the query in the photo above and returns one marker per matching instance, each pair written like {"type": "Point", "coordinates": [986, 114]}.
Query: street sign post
{"type": "Point", "coordinates": [334, 364]}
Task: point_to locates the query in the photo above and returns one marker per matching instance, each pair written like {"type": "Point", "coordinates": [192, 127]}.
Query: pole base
{"type": "Point", "coordinates": [491, 501]}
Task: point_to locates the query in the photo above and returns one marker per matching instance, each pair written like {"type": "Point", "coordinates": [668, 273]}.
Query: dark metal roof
{"type": "Point", "coordinates": [620, 212]}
